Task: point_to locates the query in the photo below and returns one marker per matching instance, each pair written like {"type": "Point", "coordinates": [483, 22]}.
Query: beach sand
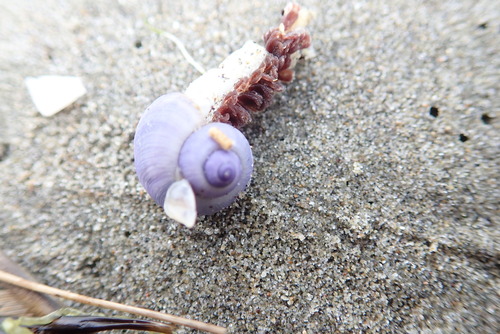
{"type": "Point", "coordinates": [367, 211]}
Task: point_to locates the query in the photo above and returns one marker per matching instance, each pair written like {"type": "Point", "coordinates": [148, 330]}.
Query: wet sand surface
{"type": "Point", "coordinates": [374, 203]}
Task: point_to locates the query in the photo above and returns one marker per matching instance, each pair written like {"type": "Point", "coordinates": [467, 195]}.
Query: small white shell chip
{"type": "Point", "coordinates": [180, 203]}
{"type": "Point", "coordinates": [53, 93]}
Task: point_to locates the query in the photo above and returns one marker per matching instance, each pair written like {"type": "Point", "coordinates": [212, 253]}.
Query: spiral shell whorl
{"type": "Point", "coordinates": [222, 168]}
{"type": "Point", "coordinates": [217, 175]}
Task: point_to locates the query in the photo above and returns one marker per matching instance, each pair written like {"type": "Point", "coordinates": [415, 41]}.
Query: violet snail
{"type": "Point", "coordinates": [189, 154]}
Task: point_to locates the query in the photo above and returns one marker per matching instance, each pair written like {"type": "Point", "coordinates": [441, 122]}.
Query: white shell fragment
{"type": "Point", "coordinates": [208, 91]}
{"type": "Point", "coordinates": [180, 203]}
{"type": "Point", "coordinates": [53, 93]}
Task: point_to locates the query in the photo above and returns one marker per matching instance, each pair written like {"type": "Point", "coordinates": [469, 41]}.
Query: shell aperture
{"type": "Point", "coordinates": [160, 134]}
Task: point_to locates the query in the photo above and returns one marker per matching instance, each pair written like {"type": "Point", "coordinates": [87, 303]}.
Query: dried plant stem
{"type": "Point", "coordinates": [180, 46]}
{"type": "Point", "coordinates": [42, 288]}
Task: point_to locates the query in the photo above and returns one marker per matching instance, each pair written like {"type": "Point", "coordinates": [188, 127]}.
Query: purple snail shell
{"type": "Point", "coordinates": [189, 155]}
{"type": "Point", "coordinates": [172, 144]}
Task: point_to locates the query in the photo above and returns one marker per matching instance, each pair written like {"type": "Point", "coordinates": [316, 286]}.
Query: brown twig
{"type": "Point", "coordinates": [42, 288]}
{"type": "Point", "coordinates": [15, 301]}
